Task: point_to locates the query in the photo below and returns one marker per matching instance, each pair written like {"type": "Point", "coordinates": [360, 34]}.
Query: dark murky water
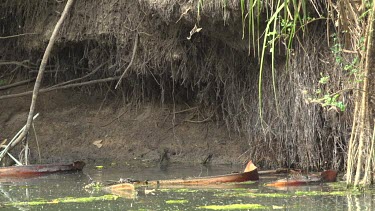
{"type": "Point", "coordinates": [50, 188]}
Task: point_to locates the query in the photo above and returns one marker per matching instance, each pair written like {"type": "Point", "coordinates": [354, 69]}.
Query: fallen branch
{"type": "Point", "coordinates": [17, 84]}
{"type": "Point", "coordinates": [61, 87]}
{"type": "Point", "coordinates": [39, 78]}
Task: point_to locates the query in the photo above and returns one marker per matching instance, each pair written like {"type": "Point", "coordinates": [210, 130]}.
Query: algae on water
{"type": "Point", "coordinates": [64, 200]}
{"type": "Point", "coordinates": [233, 207]}
{"type": "Point", "coordinates": [179, 201]}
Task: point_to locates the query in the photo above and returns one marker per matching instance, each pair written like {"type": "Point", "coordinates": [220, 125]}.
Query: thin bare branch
{"type": "Point", "coordinates": [17, 84]}
{"type": "Point", "coordinates": [131, 61]}
{"type": "Point", "coordinates": [17, 35]}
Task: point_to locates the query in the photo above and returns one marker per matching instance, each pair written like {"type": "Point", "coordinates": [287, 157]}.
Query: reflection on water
{"type": "Point", "coordinates": [56, 186]}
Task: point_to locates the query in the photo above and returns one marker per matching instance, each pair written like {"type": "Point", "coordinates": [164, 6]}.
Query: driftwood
{"type": "Point", "coordinates": [35, 170]}
{"type": "Point", "coordinates": [250, 174]}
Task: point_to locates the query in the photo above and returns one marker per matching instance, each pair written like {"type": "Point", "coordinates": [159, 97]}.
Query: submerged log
{"type": "Point", "coordinates": [277, 171]}
{"type": "Point", "coordinates": [325, 176]}
{"type": "Point", "coordinates": [34, 170]}
{"type": "Point", "coordinates": [239, 177]}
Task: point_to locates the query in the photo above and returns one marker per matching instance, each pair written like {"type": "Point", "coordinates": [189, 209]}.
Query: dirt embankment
{"type": "Point", "coordinates": [75, 126]}
{"type": "Point", "coordinates": [191, 98]}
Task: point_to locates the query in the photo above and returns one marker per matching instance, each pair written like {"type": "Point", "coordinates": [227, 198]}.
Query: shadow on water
{"type": "Point", "coordinates": [67, 192]}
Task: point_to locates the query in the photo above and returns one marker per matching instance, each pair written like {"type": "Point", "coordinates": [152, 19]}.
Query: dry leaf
{"type": "Point", "coordinates": [193, 31]}
{"type": "Point", "coordinates": [98, 143]}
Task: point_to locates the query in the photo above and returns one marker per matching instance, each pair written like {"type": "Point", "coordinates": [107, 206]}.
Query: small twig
{"type": "Point", "coordinates": [201, 121]}
{"type": "Point", "coordinates": [17, 84]}
{"type": "Point", "coordinates": [132, 59]}
{"type": "Point", "coordinates": [182, 111]}
{"type": "Point", "coordinates": [17, 35]}
{"type": "Point", "coordinates": [184, 13]}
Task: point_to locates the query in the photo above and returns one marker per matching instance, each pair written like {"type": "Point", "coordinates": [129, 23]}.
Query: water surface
{"type": "Point", "coordinates": [52, 188]}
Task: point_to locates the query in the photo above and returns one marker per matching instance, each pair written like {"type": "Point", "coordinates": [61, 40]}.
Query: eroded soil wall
{"type": "Point", "coordinates": [190, 98]}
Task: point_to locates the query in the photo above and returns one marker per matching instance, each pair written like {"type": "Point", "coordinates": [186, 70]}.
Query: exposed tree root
{"type": "Point", "coordinates": [57, 87]}
{"type": "Point", "coordinates": [20, 83]}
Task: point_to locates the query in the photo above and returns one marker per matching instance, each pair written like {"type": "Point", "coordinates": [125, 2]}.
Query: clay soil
{"type": "Point", "coordinates": [70, 122]}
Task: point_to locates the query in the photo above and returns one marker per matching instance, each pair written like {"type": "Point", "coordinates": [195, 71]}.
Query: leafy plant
{"type": "Point", "coordinates": [332, 100]}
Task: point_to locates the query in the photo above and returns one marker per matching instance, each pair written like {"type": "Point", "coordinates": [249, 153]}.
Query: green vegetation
{"type": "Point", "coordinates": [254, 195]}
{"type": "Point", "coordinates": [267, 195]}
{"type": "Point", "coordinates": [234, 207]}
{"type": "Point", "coordinates": [94, 186]}
{"type": "Point", "coordinates": [99, 167]}
{"type": "Point", "coordinates": [330, 193]}
{"type": "Point", "coordinates": [178, 201]}
{"type": "Point", "coordinates": [337, 185]}
{"type": "Point", "coordinates": [341, 192]}
{"type": "Point", "coordinates": [351, 71]}
{"type": "Point", "coordinates": [2, 82]}
{"type": "Point", "coordinates": [65, 200]}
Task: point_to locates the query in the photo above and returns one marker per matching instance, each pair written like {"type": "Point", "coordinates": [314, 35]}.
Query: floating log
{"type": "Point", "coordinates": [325, 176]}
{"type": "Point", "coordinates": [34, 170]}
{"type": "Point", "coordinates": [250, 174]}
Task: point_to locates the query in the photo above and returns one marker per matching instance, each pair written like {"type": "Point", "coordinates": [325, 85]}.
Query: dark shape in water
{"type": "Point", "coordinates": [39, 169]}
